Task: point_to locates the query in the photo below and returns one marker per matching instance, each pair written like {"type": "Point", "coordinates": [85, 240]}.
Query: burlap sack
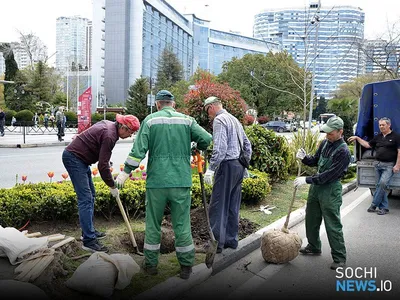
{"type": "Point", "coordinates": [279, 247]}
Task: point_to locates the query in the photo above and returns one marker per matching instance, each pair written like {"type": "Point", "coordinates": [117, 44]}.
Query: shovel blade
{"type": "Point", "coordinates": [210, 253]}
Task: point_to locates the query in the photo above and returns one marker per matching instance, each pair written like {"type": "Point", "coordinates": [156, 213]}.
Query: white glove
{"type": "Point", "coordinates": [208, 177]}
{"type": "Point", "coordinates": [120, 180]}
{"type": "Point", "coordinates": [301, 153]}
{"type": "Point", "coordinates": [299, 181]}
{"type": "Point", "coordinates": [114, 192]}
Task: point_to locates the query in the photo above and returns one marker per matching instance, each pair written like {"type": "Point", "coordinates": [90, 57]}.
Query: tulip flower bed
{"type": "Point", "coordinates": [57, 200]}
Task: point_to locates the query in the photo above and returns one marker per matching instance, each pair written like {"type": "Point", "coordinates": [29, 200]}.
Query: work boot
{"type": "Point", "coordinates": [99, 235]}
{"type": "Point", "coordinates": [185, 272]}
{"type": "Point", "coordinates": [94, 246]}
{"type": "Point", "coordinates": [336, 265]}
{"type": "Point", "coordinates": [150, 270]}
{"type": "Point", "coordinates": [382, 211]}
{"type": "Point", "coordinates": [308, 250]}
{"type": "Point", "coordinates": [372, 208]}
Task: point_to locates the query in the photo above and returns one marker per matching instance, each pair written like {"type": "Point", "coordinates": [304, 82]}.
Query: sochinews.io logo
{"type": "Point", "coordinates": [360, 279]}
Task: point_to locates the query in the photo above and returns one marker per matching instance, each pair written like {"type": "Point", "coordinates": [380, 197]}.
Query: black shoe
{"type": "Point", "coordinates": [372, 208]}
{"type": "Point", "coordinates": [307, 250]}
{"type": "Point", "coordinates": [94, 247]}
{"type": "Point", "coordinates": [336, 265]}
{"type": "Point", "coordinates": [150, 270]}
{"type": "Point", "coordinates": [230, 246]}
{"type": "Point", "coordinates": [219, 250]}
{"type": "Point", "coordinates": [185, 272]}
{"type": "Point", "coordinates": [99, 235]}
{"type": "Point", "coordinates": [382, 211]}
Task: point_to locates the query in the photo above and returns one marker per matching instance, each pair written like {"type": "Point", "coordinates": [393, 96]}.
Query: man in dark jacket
{"type": "Point", "coordinates": [95, 144]}
{"type": "Point", "coordinates": [2, 121]}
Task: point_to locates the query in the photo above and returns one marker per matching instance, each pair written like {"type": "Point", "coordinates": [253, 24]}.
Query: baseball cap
{"type": "Point", "coordinates": [334, 123]}
{"type": "Point", "coordinates": [128, 120]}
{"type": "Point", "coordinates": [211, 100]}
{"type": "Point", "coordinates": [165, 95]}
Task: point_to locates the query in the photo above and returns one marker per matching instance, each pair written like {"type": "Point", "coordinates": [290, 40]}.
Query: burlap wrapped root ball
{"type": "Point", "coordinates": [280, 247]}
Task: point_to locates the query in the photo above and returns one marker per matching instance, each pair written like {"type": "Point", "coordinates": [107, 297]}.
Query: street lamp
{"type": "Point", "coordinates": [105, 110]}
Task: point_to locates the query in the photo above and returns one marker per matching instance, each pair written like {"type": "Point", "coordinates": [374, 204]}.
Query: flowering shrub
{"type": "Point", "coordinates": [204, 88]}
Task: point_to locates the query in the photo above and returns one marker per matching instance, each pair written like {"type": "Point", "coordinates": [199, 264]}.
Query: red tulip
{"type": "Point", "coordinates": [24, 177]}
{"type": "Point", "coordinates": [64, 175]}
{"type": "Point", "coordinates": [95, 171]}
{"type": "Point", "coordinates": [50, 174]}
{"type": "Point", "coordinates": [111, 170]}
{"type": "Point", "coordinates": [141, 167]}
{"type": "Point", "coordinates": [121, 167]}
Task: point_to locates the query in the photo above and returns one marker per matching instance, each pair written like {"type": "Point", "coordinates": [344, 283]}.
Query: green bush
{"type": "Point", "coordinates": [57, 201]}
{"type": "Point", "coordinates": [110, 116]}
{"type": "Point", "coordinates": [24, 116]}
{"type": "Point", "coordinates": [270, 152]}
{"type": "Point", "coordinates": [310, 145]}
{"type": "Point", "coordinates": [255, 188]}
{"type": "Point", "coordinates": [9, 114]}
{"type": "Point", "coordinates": [71, 116]}
{"type": "Point", "coordinates": [96, 117]}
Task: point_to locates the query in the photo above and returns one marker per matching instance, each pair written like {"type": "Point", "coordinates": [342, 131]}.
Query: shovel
{"type": "Point", "coordinates": [212, 244]}
{"type": "Point", "coordinates": [128, 225]}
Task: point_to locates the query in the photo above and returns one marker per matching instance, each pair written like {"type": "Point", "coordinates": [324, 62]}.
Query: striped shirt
{"type": "Point", "coordinates": [337, 170]}
{"type": "Point", "coordinates": [225, 139]}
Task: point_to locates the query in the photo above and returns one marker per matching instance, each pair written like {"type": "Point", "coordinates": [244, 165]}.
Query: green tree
{"type": "Point", "coordinates": [39, 84]}
{"type": "Point", "coordinates": [136, 104]}
{"type": "Point", "coordinates": [346, 109]}
{"type": "Point", "coordinates": [2, 102]}
{"type": "Point", "coordinates": [269, 83]}
{"type": "Point", "coordinates": [320, 108]}
{"type": "Point", "coordinates": [179, 90]}
{"type": "Point", "coordinates": [170, 69]}
{"type": "Point", "coordinates": [10, 73]}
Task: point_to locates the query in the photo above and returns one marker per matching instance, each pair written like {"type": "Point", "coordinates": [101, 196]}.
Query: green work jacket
{"type": "Point", "coordinates": [167, 135]}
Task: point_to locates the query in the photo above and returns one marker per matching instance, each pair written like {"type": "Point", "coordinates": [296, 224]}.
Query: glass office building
{"type": "Point", "coordinates": [340, 32]}
{"type": "Point", "coordinates": [136, 32]}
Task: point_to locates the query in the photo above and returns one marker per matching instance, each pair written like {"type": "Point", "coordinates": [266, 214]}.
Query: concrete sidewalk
{"type": "Point", "coordinates": [16, 140]}
{"type": "Point", "coordinates": [175, 286]}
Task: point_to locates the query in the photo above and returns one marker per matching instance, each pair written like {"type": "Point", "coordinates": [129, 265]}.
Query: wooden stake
{"type": "Point", "coordinates": [62, 243]}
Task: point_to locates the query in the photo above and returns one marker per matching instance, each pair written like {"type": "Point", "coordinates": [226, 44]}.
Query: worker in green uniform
{"type": "Point", "coordinates": [167, 136]}
{"type": "Point", "coordinates": [325, 195]}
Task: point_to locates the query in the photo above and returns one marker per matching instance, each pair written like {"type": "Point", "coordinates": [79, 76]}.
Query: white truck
{"type": "Point", "coordinates": [378, 100]}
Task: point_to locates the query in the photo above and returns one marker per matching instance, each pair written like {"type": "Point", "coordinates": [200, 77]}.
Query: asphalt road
{"type": "Point", "coordinates": [36, 162]}
{"type": "Point", "coordinates": [372, 241]}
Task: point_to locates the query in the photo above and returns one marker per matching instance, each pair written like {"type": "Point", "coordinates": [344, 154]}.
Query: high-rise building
{"type": "Point", "coordinates": [328, 36]}
{"type": "Point", "coordinates": [381, 55]}
{"type": "Point", "coordinates": [136, 32]}
{"type": "Point", "coordinates": [71, 43]}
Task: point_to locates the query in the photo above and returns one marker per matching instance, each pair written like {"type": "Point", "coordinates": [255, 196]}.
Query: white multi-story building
{"type": "Point", "coordinates": [71, 43]}
{"type": "Point", "coordinates": [381, 55]}
{"type": "Point", "coordinates": [334, 47]}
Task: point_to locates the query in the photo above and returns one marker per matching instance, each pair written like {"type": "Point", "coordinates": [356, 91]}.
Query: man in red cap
{"type": "Point", "coordinates": [95, 144]}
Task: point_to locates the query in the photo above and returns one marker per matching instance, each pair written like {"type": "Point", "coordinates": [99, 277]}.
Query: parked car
{"type": "Point", "coordinates": [291, 126]}
{"type": "Point", "coordinates": [278, 126]}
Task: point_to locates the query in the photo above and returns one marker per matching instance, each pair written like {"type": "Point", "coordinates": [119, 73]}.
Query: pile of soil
{"type": "Point", "coordinates": [199, 231]}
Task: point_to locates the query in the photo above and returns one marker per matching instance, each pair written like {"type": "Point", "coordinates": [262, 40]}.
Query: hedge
{"type": "Point", "coordinates": [57, 201]}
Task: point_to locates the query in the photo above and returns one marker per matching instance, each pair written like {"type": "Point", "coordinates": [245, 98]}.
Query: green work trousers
{"type": "Point", "coordinates": [179, 201]}
{"type": "Point", "coordinates": [324, 201]}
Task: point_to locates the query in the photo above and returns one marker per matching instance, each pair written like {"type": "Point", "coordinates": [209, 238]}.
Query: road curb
{"type": "Point", "coordinates": [174, 286]}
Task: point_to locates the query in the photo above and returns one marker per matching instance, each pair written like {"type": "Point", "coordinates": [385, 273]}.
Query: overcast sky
{"type": "Point", "coordinates": [39, 16]}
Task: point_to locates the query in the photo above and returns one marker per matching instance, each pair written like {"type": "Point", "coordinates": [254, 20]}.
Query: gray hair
{"type": "Point", "coordinates": [387, 120]}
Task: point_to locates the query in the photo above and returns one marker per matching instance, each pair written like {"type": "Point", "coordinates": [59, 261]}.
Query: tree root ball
{"type": "Point", "coordinates": [280, 247]}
